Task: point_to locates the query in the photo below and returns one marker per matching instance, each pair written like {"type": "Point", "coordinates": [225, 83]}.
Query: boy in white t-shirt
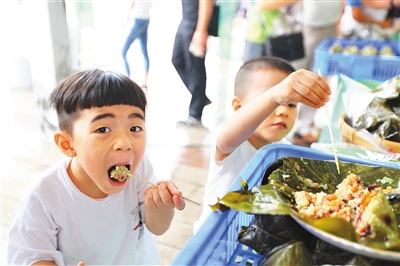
{"type": "Point", "coordinates": [79, 213]}
{"type": "Point", "coordinates": [266, 93]}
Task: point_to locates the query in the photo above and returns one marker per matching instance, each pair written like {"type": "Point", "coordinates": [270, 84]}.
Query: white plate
{"type": "Point", "coordinates": [348, 245]}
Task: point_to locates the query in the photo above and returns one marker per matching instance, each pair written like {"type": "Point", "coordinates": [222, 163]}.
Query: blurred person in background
{"type": "Point", "coordinates": [264, 21]}
{"type": "Point", "coordinates": [140, 12]}
{"type": "Point", "coordinates": [320, 19]}
{"type": "Point", "coordinates": [188, 56]}
{"type": "Point", "coordinates": [367, 19]}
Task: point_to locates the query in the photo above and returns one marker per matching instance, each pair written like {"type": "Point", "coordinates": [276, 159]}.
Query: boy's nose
{"type": "Point", "coordinates": [122, 142]}
{"type": "Point", "coordinates": [282, 111]}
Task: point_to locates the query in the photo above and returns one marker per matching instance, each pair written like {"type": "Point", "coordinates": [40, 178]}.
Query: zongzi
{"type": "Point", "coordinates": [366, 208]}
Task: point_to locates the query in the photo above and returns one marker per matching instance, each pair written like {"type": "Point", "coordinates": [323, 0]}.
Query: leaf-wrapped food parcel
{"type": "Point", "coordinates": [379, 114]}
{"type": "Point", "coordinates": [296, 253]}
{"type": "Point", "coordinates": [302, 174]}
{"type": "Point", "coordinates": [292, 253]}
{"type": "Point", "coordinates": [268, 231]}
{"type": "Point", "coordinates": [366, 208]}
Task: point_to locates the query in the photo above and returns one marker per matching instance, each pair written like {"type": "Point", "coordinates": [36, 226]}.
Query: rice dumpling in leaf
{"type": "Point", "coordinates": [292, 253]}
{"type": "Point", "coordinates": [377, 224]}
{"type": "Point", "coordinates": [269, 231]}
{"type": "Point", "coordinates": [380, 115]}
{"type": "Point", "coordinates": [325, 253]}
{"type": "Point", "coordinates": [366, 208]}
{"type": "Point", "coordinates": [277, 196]}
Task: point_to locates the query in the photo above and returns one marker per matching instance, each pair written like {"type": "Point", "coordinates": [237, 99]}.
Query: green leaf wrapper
{"type": "Point", "coordinates": [292, 174]}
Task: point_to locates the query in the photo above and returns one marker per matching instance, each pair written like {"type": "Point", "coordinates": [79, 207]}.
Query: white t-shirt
{"type": "Point", "coordinates": [222, 174]}
{"type": "Point", "coordinates": [320, 13]}
{"type": "Point", "coordinates": [141, 9]}
{"type": "Point", "coordinates": [57, 222]}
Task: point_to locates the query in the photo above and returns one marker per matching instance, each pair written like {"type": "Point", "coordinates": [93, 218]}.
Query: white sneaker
{"type": "Point", "coordinates": [190, 121]}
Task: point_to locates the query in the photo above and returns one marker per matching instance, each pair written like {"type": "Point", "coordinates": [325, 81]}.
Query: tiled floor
{"type": "Point", "coordinates": [180, 154]}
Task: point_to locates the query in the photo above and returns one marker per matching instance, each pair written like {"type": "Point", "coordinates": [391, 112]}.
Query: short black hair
{"type": "Point", "coordinates": [243, 77]}
{"type": "Point", "coordinates": [93, 88]}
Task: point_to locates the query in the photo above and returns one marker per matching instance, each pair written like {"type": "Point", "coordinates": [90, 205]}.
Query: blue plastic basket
{"type": "Point", "coordinates": [357, 66]}
{"type": "Point", "coordinates": [216, 243]}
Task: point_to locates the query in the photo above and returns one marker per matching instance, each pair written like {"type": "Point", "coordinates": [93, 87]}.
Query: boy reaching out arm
{"type": "Point", "coordinates": [301, 86]}
{"type": "Point", "coordinates": [77, 213]}
{"type": "Point", "coordinates": [266, 93]}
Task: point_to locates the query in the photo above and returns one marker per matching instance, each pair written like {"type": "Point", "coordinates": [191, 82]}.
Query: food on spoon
{"type": "Point", "coordinates": [366, 208]}
{"type": "Point", "coordinates": [121, 173]}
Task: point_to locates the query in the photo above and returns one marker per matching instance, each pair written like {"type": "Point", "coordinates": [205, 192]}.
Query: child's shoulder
{"type": "Point", "coordinates": [50, 179]}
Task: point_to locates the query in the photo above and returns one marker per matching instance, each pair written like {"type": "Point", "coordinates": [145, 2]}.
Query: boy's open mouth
{"type": "Point", "coordinates": [119, 173]}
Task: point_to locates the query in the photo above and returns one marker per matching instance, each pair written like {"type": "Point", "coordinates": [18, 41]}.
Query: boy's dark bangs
{"type": "Point", "coordinates": [104, 88]}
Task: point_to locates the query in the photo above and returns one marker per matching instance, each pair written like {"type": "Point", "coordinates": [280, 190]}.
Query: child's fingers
{"type": "Point", "coordinates": [172, 188]}
{"type": "Point", "coordinates": [176, 194]}
{"type": "Point", "coordinates": [317, 84]}
{"type": "Point", "coordinates": [179, 202]}
{"type": "Point", "coordinates": [317, 78]}
{"type": "Point", "coordinates": [312, 89]}
{"type": "Point", "coordinates": [165, 197]}
{"type": "Point", "coordinates": [149, 199]}
{"type": "Point", "coordinates": [310, 100]}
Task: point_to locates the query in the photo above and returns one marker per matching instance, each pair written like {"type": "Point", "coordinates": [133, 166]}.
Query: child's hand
{"type": "Point", "coordinates": [302, 86]}
{"type": "Point", "coordinates": [165, 196]}
{"type": "Point", "coordinates": [387, 23]}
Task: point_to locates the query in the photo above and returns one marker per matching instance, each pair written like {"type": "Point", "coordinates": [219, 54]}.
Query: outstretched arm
{"type": "Point", "coordinates": [377, 4]}
{"type": "Point", "coordinates": [359, 15]}
{"type": "Point", "coordinates": [301, 86]}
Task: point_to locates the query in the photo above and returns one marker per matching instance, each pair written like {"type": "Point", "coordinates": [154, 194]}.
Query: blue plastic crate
{"type": "Point", "coordinates": [216, 243]}
{"type": "Point", "coordinates": [357, 66]}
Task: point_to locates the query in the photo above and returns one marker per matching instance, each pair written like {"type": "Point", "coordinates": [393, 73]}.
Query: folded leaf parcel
{"type": "Point", "coordinates": [312, 191]}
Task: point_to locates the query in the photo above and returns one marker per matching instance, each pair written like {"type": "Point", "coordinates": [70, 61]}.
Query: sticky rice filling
{"type": "Point", "coordinates": [119, 173]}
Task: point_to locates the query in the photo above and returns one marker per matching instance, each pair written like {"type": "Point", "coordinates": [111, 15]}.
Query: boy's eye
{"type": "Point", "coordinates": [136, 129]}
{"type": "Point", "coordinates": [292, 105]}
{"type": "Point", "coordinates": [103, 130]}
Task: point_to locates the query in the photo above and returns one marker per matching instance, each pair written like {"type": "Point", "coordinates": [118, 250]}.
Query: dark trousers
{"type": "Point", "coordinates": [192, 71]}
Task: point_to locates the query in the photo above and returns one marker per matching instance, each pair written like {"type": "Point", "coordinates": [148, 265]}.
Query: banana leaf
{"type": "Point", "coordinates": [275, 196]}
{"type": "Point", "coordinates": [380, 116]}
{"type": "Point", "coordinates": [292, 253]}
{"type": "Point", "coordinates": [269, 231]}
{"type": "Point", "coordinates": [296, 253]}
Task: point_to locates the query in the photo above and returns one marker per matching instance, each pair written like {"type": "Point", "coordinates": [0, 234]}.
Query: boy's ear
{"type": "Point", "coordinates": [63, 141]}
{"type": "Point", "coordinates": [236, 103]}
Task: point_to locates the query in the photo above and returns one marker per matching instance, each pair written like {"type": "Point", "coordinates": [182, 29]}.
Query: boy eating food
{"type": "Point", "coordinates": [77, 212]}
